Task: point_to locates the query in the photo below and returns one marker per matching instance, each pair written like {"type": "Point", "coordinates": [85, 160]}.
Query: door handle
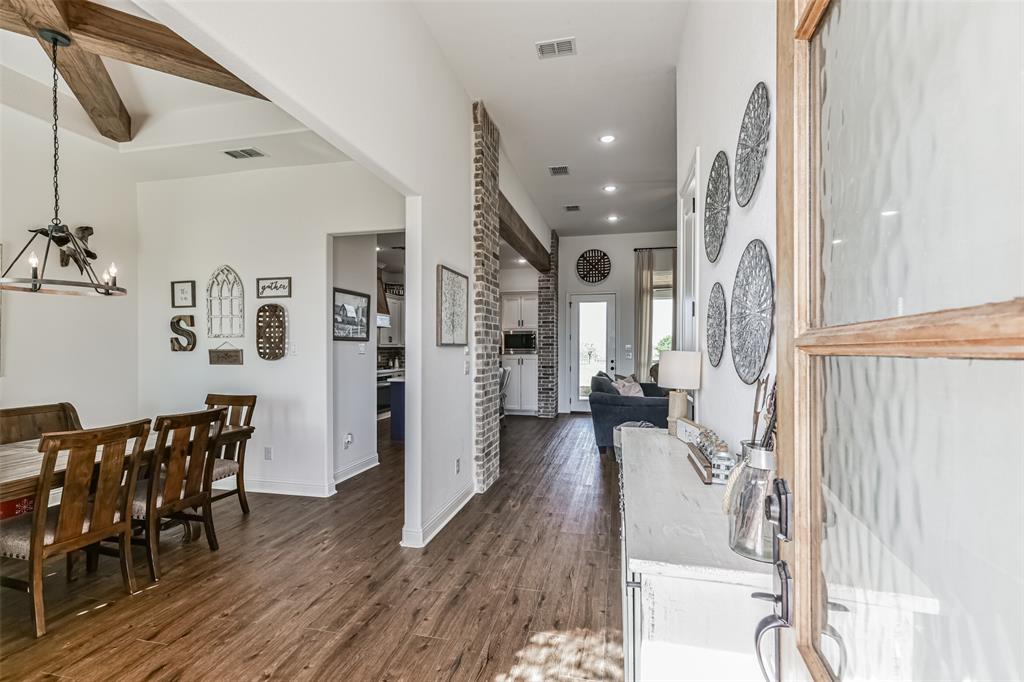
{"type": "Point", "coordinates": [777, 620]}
{"type": "Point", "coordinates": [778, 509]}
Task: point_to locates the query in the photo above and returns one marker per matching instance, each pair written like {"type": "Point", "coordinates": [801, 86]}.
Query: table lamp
{"type": "Point", "coordinates": [678, 370]}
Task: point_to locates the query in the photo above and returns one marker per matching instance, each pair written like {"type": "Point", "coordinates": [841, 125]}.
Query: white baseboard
{"type": "Point", "coordinates": [417, 538]}
{"type": "Point", "coordinates": [522, 413]}
{"type": "Point", "coordinates": [258, 485]}
{"type": "Point", "coordinates": [355, 468]}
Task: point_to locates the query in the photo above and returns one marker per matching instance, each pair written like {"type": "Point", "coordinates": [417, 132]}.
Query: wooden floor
{"type": "Point", "coordinates": [522, 585]}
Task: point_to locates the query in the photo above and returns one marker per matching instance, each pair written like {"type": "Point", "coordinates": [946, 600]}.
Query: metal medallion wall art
{"type": "Point", "coordinates": [593, 266]}
{"type": "Point", "coordinates": [716, 324]}
{"type": "Point", "coordinates": [753, 308]}
{"type": "Point", "coordinates": [271, 331]}
{"type": "Point", "coordinates": [752, 144]}
{"type": "Point", "coordinates": [716, 207]}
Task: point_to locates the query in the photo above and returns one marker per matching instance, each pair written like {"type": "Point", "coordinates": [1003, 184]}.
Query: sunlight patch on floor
{"type": "Point", "coordinates": [571, 655]}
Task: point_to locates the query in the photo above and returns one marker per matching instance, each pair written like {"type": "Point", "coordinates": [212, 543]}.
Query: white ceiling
{"type": "Point", "coordinates": [180, 127]}
{"type": "Point", "coordinates": [551, 111]}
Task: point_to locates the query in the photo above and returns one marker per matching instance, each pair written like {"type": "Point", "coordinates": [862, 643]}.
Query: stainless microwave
{"type": "Point", "coordinates": [519, 342]}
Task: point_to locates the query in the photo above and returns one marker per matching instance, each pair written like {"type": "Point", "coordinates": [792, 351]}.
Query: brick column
{"type": "Point", "coordinates": [547, 336]}
{"type": "Point", "coordinates": [486, 299]}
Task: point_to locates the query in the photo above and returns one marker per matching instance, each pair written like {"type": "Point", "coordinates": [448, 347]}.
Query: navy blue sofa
{"type": "Point", "coordinates": [608, 408]}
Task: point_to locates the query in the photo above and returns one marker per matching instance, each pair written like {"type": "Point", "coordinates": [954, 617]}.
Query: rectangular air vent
{"type": "Point", "coordinates": [247, 153]}
{"type": "Point", "coordinates": [558, 170]}
{"type": "Point", "coordinates": [572, 208]}
{"type": "Point", "coordinates": [559, 47]}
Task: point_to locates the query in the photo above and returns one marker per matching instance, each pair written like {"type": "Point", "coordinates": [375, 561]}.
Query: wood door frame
{"type": "Point", "coordinates": [692, 181]}
{"type": "Point", "coordinates": [993, 330]}
{"type": "Point", "coordinates": [573, 365]}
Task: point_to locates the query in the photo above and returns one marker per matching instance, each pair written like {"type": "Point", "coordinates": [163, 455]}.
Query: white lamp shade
{"type": "Point", "coordinates": [679, 369]}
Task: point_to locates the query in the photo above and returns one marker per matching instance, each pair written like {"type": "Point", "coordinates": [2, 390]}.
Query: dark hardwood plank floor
{"type": "Point", "coordinates": [522, 584]}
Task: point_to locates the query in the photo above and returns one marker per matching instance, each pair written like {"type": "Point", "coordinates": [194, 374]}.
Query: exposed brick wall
{"type": "Point", "coordinates": [486, 299]}
{"type": "Point", "coordinates": [547, 336]}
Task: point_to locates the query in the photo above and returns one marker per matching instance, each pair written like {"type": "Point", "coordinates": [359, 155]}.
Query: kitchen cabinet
{"type": "Point", "coordinates": [519, 311]}
{"type": "Point", "coordinates": [521, 393]}
{"type": "Point", "coordinates": [395, 334]}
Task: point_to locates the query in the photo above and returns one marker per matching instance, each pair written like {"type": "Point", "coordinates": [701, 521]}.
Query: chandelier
{"type": "Point", "coordinates": [71, 246]}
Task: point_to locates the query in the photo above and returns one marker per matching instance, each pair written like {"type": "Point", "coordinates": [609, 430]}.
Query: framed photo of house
{"type": "Point", "coordinates": [273, 287]}
{"type": "Point", "coordinates": [351, 315]}
{"type": "Point", "coordinates": [183, 294]}
{"type": "Point", "coordinates": [452, 307]}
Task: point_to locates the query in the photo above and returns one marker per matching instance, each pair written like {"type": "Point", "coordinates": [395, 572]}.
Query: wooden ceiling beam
{"type": "Point", "coordinates": [127, 38]}
{"type": "Point", "coordinates": [514, 230]}
{"type": "Point", "coordinates": [83, 71]}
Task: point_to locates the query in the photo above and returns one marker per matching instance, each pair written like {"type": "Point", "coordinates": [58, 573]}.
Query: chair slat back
{"type": "Point", "coordinates": [240, 407]}
{"type": "Point", "coordinates": [113, 471]}
{"type": "Point", "coordinates": [184, 455]}
{"type": "Point", "coordinates": [28, 423]}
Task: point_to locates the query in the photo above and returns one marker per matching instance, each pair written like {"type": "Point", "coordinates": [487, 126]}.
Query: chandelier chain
{"type": "Point", "coordinates": [56, 144]}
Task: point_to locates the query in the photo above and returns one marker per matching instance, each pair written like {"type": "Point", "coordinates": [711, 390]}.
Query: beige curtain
{"type": "Point", "coordinates": [643, 310]}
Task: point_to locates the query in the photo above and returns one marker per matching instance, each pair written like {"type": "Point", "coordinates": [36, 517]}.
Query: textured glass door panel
{"type": "Point", "coordinates": [593, 343]}
{"type": "Point", "coordinates": [920, 183]}
{"type": "Point", "coordinates": [923, 531]}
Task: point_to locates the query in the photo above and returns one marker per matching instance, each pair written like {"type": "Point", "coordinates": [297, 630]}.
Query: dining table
{"type": "Point", "coordinates": [21, 462]}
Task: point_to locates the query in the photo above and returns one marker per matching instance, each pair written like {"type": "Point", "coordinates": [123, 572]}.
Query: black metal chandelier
{"type": "Point", "coordinates": [72, 246]}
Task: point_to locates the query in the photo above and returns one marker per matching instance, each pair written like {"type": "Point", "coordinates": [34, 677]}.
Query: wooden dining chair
{"type": "Point", "coordinates": [230, 460]}
{"type": "Point", "coordinates": [183, 463]}
{"type": "Point", "coordinates": [95, 503]}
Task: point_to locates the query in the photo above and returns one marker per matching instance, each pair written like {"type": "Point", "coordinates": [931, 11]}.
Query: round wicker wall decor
{"type": "Point", "coordinates": [593, 266]}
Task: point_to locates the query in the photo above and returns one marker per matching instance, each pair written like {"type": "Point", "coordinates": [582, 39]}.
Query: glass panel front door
{"type": "Point", "coordinates": [592, 343]}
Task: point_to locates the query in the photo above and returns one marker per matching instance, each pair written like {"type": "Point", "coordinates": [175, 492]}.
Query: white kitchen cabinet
{"type": "Point", "coordinates": [519, 311]}
{"type": "Point", "coordinates": [395, 334]}
{"type": "Point", "coordinates": [521, 393]}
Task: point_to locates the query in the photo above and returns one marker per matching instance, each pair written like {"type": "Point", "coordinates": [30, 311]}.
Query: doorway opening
{"type": "Point", "coordinates": [591, 344]}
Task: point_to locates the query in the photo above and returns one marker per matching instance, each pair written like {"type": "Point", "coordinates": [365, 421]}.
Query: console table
{"type": "Point", "coordinates": [687, 610]}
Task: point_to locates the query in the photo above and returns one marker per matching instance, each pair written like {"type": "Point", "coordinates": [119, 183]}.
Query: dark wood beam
{"type": "Point", "coordinates": [127, 38]}
{"type": "Point", "coordinates": [514, 230]}
{"type": "Point", "coordinates": [83, 71]}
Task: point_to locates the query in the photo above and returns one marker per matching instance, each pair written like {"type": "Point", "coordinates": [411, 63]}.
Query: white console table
{"type": "Point", "coordinates": [687, 609]}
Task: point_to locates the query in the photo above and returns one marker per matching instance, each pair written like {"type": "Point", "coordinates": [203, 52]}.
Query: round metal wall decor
{"type": "Point", "coordinates": [753, 306]}
{"type": "Point", "coordinates": [716, 207]}
{"type": "Point", "coordinates": [716, 324]}
{"type": "Point", "coordinates": [752, 144]}
{"type": "Point", "coordinates": [593, 266]}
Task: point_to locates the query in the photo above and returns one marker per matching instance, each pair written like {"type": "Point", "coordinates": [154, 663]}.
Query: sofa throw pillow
{"type": "Point", "coordinates": [629, 387]}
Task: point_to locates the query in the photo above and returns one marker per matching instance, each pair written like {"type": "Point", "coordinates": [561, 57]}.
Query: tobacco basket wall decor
{"type": "Point", "coordinates": [225, 304]}
{"type": "Point", "coordinates": [593, 266]}
{"type": "Point", "coordinates": [752, 312]}
{"type": "Point", "coordinates": [752, 144]}
{"type": "Point", "coordinates": [271, 331]}
{"type": "Point", "coordinates": [716, 324]}
{"type": "Point", "coordinates": [716, 207]}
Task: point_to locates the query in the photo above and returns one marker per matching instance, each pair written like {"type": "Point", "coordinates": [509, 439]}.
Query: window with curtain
{"type": "Point", "coordinates": [654, 307]}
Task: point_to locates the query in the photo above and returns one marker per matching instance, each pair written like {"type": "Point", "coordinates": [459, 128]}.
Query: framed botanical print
{"type": "Point", "coordinates": [452, 307]}
{"type": "Point", "coordinates": [183, 294]}
{"type": "Point", "coordinates": [351, 315]}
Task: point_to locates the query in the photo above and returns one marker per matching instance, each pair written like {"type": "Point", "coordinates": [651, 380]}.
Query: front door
{"type": "Point", "coordinates": [591, 344]}
{"type": "Point", "coordinates": [901, 337]}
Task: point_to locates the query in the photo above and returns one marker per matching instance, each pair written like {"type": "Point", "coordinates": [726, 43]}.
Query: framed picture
{"type": "Point", "coordinates": [273, 287]}
{"type": "Point", "coordinates": [452, 307]}
{"type": "Point", "coordinates": [183, 294]}
{"type": "Point", "coordinates": [351, 315]}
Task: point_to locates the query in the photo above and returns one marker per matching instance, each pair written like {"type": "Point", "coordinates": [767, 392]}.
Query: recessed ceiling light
{"type": "Point", "coordinates": [610, 188]}
{"type": "Point", "coordinates": [378, 248]}
{"type": "Point", "coordinates": [607, 139]}
{"type": "Point", "coordinates": [520, 260]}
{"type": "Point", "coordinates": [613, 218]}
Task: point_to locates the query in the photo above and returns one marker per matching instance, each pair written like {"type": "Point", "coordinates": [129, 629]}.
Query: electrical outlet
{"type": "Point", "coordinates": [362, 349]}
{"type": "Point", "coordinates": [268, 453]}
{"type": "Point", "coordinates": [292, 350]}
{"type": "Point", "coordinates": [458, 464]}
{"type": "Point", "coordinates": [465, 369]}
{"type": "Point", "coordinates": [348, 440]}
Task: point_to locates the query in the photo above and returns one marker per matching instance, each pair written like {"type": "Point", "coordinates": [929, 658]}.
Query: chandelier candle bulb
{"type": "Point", "coordinates": [113, 274]}
{"type": "Point", "coordinates": [33, 263]}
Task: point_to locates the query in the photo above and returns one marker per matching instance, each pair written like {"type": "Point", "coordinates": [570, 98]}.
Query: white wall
{"type": "Point", "coordinates": [68, 348]}
{"type": "Point", "coordinates": [355, 363]}
{"type": "Point", "coordinates": [619, 248]}
{"type": "Point", "coordinates": [262, 223]}
{"type": "Point", "coordinates": [517, 279]}
{"type": "Point", "coordinates": [512, 188]}
{"type": "Point", "coordinates": [404, 115]}
{"type": "Point", "coordinates": [713, 87]}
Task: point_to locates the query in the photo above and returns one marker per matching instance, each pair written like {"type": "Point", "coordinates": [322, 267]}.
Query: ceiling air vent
{"type": "Point", "coordinates": [247, 153]}
{"type": "Point", "coordinates": [558, 170]}
{"type": "Point", "coordinates": [572, 208]}
{"type": "Point", "coordinates": [560, 47]}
